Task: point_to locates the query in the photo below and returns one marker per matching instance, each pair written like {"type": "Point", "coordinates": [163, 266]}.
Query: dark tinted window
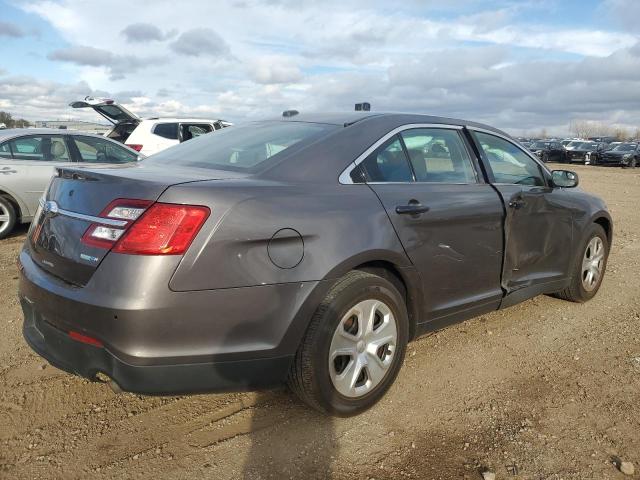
{"type": "Point", "coordinates": [167, 130]}
{"type": "Point", "coordinates": [388, 163]}
{"type": "Point", "coordinates": [438, 156]}
{"type": "Point", "coordinates": [249, 147]}
{"type": "Point", "coordinates": [508, 163]}
{"type": "Point", "coordinates": [96, 150]}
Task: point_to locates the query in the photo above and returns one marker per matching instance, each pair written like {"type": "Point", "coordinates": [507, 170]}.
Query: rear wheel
{"type": "Point", "coordinates": [354, 346]}
{"type": "Point", "coordinates": [589, 267]}
{"type": "Point", "coordinates": [8, 217]}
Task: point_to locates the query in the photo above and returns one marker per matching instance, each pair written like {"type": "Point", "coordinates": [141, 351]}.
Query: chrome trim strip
{"type": "Point", "coordinates": [88, 218]}
{"type": "Point", "coordinates": [345, 176]}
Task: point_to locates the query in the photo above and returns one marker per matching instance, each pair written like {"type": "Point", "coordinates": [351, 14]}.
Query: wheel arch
{"type": "Point", "coordinates": [605, 222]}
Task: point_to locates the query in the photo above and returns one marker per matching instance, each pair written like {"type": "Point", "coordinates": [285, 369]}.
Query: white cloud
{"type": "Point", "coordinates": [252, 58]}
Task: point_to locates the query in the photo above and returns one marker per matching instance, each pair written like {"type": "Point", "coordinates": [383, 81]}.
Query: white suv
{"type": "Point", "coordinates": [150, 135]}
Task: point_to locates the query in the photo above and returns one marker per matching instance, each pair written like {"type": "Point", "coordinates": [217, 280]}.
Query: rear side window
{"type": "Point", "coordinates": [438, 156]}
{"type": "Point", "coordinates": [166, 130]}
{"type": "Point", "coordinates": [194, 130]}
{"type": "Point", "coordinates": [250, 147]}
{"type": "Point", "coordinates": [509, 164]}
{"type": "Point", "coordinates": [388, 163]}
{"type": "Point", "coordinates": [96, 150]}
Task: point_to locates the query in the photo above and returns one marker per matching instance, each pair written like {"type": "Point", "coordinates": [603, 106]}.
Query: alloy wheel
{"type": "Point", "coordinates": [592, 264]}
{"type": "Point", "coordinates": [5, 219]}
{"type": "Point", "coordinates": [362, 348]}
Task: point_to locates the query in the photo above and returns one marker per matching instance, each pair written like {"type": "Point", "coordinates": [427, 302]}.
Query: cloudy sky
{"type": "Point", "coordinates": [519, 65]}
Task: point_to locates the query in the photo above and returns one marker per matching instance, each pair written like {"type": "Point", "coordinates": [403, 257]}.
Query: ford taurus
{"type": "Point", "coordinates": [307, 250]}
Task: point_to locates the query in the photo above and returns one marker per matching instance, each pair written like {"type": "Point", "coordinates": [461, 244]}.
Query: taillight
{"type": "Point", "coordinates": [136, 146]}
{"type": "Point", "coordinates": [105, 235]}
{"type": "Point", "coordinates": [164, 229]}
{"type": "Point", "coordinates": [146, 228]}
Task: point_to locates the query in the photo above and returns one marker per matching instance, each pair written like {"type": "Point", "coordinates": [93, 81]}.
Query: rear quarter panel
{"type": "Point", "coordinates": [339, 227]}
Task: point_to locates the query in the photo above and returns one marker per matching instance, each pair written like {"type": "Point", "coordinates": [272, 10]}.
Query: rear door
{"type": "Point", "coordinates": [33, 158]}
{"type": "Point", "coordinates": [448, 220]}
{"type": "Point", "coordinates": [538, 222]}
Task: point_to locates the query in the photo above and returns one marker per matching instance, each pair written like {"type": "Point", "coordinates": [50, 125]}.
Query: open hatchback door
{"type": "Point", "coordinates": [123, 120]}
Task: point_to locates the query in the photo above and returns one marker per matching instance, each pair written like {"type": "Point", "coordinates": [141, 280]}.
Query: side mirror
{"type": "Point", "coordinates": [564, 178]}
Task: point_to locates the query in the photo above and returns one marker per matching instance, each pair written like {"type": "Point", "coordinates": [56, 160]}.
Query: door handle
{"type": "Point", "coordinates": [7, 170]}
{"type": "Point", "coordinates": [411, 209]}
{"type": "Point", "coordinates": [517, 203]}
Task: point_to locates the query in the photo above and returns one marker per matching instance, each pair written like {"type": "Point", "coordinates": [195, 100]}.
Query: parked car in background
{"type": "Point", "coordinates": [151, 135]}
{"type": "Point", "coordinates": [624, 154]}
{"type": "Point", "coordinates": [585, 152]}
{"type": "Point", "coordinates": [307, 250]}
{"type": "Point", "coordinates": [27, 160]}
{"type": "Point", "coordinates": [549, 151]}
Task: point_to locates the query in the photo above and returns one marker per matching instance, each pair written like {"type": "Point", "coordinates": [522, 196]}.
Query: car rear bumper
{"type": "Point", "coordinates": [75, 357]}
{"type": "Point", "coordinates": [170, 342]}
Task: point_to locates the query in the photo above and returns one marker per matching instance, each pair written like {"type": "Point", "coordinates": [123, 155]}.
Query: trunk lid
{"type": "Point", "coordinates": [109, 109]}
{"type": "Point", "coordinates": [75, 199]}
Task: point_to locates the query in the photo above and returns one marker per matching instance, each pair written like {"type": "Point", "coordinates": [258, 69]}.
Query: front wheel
{"type": "Point", "coordinates": [8, 217]}
{"type": "Point", "coordinates": [589, 267]}
{"type": "Point", "coordinates": [354, 346]}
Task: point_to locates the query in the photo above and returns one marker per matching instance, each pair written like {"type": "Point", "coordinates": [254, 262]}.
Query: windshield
{"type": "Point", "coordinates": [540, 145]}
{"type": "Point", "coordinates": [588, 146]}
{"type": "Point", "coordinates": [627, 147]}
{"type": "Point", "coordinates": [245, 148]}
{"type": "Point", "coordinates": [574, 143]}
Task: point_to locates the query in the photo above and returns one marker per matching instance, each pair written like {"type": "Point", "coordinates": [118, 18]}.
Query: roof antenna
{"type": "Point", "coordinates": [290, 113]}
{"type": "Point", "coordinates": [363, 107]}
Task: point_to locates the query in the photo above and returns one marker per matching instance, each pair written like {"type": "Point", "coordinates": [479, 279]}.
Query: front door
{"type": "Point", "coordinates": [448, 220]}
{"type": "Point", "coordinates": [538, 222]}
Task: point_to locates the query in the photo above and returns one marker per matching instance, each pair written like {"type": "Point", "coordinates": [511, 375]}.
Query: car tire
{"type": "Point", "coordinates": [581, 288]}
{"type": "Point", "coordinates": [316, 372]}
{"type": "Point", "coordinates": [8, 217]}
{"type": "Point", "coordinates": [633, 163]}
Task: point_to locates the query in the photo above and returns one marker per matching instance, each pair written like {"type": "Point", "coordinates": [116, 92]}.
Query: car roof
{"type": "Point", "coordinates": [182, 119]}
{"type": "Point", "coordinates": [391, 118]}
{"type": "Point", "coordinates": [19, 132]}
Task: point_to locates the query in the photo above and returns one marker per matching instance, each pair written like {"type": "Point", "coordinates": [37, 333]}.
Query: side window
{"type": "Point", "coordinates": [96, 150]}
{"type": "Point", "coordinates": [508, 163]}
{"type": "Point", "coordinates": [28, 148]}
{"type": "Point", "coordinates": [46, 148]}
{"type": "Point", "coordinates": [190, 131]}
{"type": "Point", "coordinates": [166, 130]}
{"type": "Point", "coordinates": [5, 150]}
{"type": "Point", "coordinates": [387, 163]}
{"type": "Point", "coordinates": [58, 150]}
{"type": "Point", "coordinates": [438, 155]}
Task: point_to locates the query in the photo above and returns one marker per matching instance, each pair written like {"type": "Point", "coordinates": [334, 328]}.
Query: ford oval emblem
{"type": "Point", "coordinates": [51, 208]}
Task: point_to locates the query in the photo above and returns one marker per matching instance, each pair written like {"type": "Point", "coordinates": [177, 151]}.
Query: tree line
{"type": "Point", "coordinates": [10, 122]}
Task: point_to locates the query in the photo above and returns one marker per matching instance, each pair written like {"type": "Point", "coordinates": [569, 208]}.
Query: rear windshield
{"type": "Point", "coordinates": [247, 148]}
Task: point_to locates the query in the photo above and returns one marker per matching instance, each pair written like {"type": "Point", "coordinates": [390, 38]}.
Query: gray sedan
{"type": "Point", "coordinates": [306, 250]}
{"type": "Point", "coordinates": [27, 161]}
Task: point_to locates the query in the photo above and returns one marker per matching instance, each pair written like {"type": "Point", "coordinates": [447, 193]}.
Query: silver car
{"type": "Point", "coordinates": [27, 161]}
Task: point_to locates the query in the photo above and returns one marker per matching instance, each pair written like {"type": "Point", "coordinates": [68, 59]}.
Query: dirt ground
{"type": "Point", "coordinates": [543, 390]}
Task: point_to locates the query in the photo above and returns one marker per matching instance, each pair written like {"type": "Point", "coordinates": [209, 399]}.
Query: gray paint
{"type": "Point", "coordinates": [276, 241]}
